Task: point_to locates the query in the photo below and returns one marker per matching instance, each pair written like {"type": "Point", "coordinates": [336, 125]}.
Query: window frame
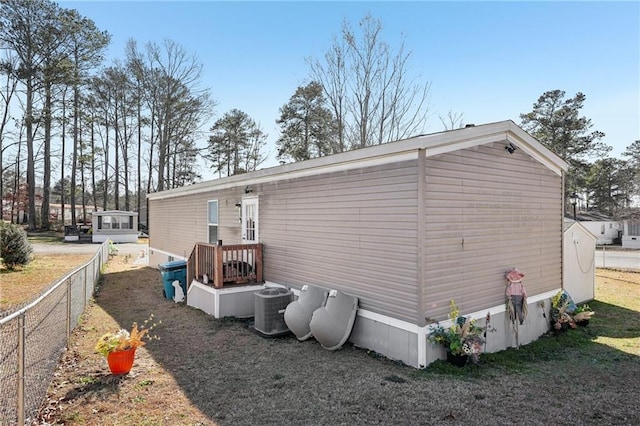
{"type": "Point", "coordinates": [213, 224]}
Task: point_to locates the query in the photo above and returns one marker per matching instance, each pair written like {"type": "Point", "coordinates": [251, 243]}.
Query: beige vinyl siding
{"type": "Point", "coordinates": [487, 211]}
{"type": "Point", "coordinates": [353, 231]}
{"type": "Point", "coordinates": [177, 223]}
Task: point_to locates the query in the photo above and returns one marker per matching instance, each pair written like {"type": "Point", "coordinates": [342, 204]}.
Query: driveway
{"type": "Point", "coordinates": [139, 251]}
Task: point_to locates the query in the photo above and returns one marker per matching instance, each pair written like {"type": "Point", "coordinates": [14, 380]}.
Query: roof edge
{"type": "Point", "coordinates": [434, 144]}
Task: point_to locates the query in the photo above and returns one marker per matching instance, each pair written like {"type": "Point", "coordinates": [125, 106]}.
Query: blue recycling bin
{"type": "Point", "coordinates": [171, 271]}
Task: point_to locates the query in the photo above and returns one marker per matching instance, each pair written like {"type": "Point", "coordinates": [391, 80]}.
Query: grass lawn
{"type": "Point", "coordinates": [205, 371]}
{"type": "Point", "coordinates": [23, 284]}
{"type": "Point", "coordinates": [618, 306]}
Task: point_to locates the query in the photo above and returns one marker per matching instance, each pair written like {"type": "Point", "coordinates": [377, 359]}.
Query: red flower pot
{"type": "Point", "coordinates": [120, 362]}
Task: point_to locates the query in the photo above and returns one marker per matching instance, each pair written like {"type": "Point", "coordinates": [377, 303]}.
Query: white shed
{"type": "Point", "coordinates": [579, 267]}
{"type": "Point", "coordinates": [115, 225]}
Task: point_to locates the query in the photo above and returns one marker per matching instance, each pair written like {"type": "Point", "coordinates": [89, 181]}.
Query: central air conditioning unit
{"type": "Point", "coordinates": [270, 305]}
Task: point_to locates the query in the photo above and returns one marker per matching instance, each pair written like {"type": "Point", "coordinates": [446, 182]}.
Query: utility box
{"type": "Point", "coordinates": [171, 271]}
{"type": "Point", "coordinates": [270, 305]}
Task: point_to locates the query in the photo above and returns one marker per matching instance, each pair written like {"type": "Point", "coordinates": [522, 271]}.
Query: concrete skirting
{"type": "Point", "coordinates": [408, 343]}
{"type": "Point", "coordinates": [393, 338]}
{"type": "Point", "coordinates": [223, 302]}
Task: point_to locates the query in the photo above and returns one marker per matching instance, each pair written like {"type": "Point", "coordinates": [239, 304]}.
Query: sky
{"type": "Point", "coordinates": [489, 61]}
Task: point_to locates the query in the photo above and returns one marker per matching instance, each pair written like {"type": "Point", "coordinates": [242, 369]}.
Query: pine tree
{"type": "Point", "coordinates": [15, 249]}
{"type": "Point", "coordinates": [557, 124]}
{"type": "Point", "coordinates": [308, 129]}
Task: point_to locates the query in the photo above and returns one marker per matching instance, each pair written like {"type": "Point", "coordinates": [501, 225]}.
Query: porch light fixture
{"type": "Point", "coordinates": [239, 207]}
{"type": "Point", "coordinates": [248, 190]}
{"type": "Point", "coordinates": [574, 202]}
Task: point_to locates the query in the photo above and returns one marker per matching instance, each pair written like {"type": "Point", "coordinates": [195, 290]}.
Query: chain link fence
{"type": "Point", "coordinates": [33, 338]}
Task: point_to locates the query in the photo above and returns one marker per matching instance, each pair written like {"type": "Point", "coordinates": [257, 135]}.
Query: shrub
{"type": "Point", "coordinates": [15, 249]}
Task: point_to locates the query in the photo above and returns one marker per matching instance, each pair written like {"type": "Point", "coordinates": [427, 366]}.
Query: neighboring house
{"type": "Point", "coordinates": [605, 228]}
{"type": "Point", "coordinates": [405, 226]}
{"type": "Point", "coordinates": [115, 225]}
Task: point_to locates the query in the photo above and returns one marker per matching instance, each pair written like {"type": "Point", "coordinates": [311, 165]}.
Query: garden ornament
{"type": "Point", "coordinates": [179, 293]}
{"type": "Point", "coordinates": [516, 300]}
{"type": "Point", "coordinates": [516, 296]}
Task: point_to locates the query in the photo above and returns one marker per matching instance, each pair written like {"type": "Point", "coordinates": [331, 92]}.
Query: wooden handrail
{"type": "Point", "coordinates": [236, 263]}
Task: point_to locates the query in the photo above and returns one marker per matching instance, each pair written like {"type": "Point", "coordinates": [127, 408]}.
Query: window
{"type": "Point", "coordinates": [212, 221]}
{"type": "Point", "coordinates": [115, 222]}
{"type": "Point", "coordinates": [106, 222]}
{"type": "Point", "coordinates": [109, 222]}
{"type": "Point", "coordinates": [602, 229]}
{"type": "Point", "coordinates": [125, 223]}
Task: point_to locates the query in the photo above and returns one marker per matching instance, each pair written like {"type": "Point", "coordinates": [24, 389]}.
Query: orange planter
{"type": "Point", "coordinates": [121, 362]}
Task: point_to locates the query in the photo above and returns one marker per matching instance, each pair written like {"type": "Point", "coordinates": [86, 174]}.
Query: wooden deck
{"type": "Point", "coordinates": [221, 266]}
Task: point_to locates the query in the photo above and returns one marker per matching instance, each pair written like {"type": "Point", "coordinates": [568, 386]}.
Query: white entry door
{"type": "Point", "coordinates": [250, 220]}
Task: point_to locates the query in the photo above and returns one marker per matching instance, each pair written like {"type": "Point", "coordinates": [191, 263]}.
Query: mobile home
{"type": "Point", "coordinates": [405, 226]}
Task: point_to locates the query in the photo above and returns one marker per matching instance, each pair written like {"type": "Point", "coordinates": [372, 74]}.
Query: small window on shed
{"type": "Point", "coordinates": [213, 221]}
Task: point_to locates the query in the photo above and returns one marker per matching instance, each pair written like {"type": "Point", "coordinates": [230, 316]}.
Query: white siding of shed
{"type": "Point", "coordinates": [579, 266]}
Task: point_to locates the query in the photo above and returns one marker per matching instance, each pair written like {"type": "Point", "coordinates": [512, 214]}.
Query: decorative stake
{"type": "Point", "coordinates": [516, 300]}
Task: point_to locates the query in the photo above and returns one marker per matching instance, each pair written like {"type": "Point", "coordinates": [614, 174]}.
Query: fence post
{"type": "Point", "coordinates": [84, 288]}
{"type": "Point", "coordinates": [68, 311]}
{"type": "Point", "coordinates": [21, 364]}
{"type": "Point", "coordinates": [604, 259]}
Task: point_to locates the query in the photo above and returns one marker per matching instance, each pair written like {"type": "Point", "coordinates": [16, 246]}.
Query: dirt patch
{"type": "Point", "coordinates": [206, 371]}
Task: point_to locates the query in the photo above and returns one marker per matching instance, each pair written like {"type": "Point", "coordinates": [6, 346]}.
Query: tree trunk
{"type": "Point", "coordinates": [139, 177]}
{"type": "Point", "coordinates": [116, 177]}
{"type": "Point", "coordinates": [125, 156]}
{"type": "Point", "coordinates": [46, 184]}
{"type": "Point", "coordinates": [31, 173]}
{"type": "Point", "coordinates": [151, 146]}
{"type": "Point", "coordinates": [74, 161]}
{"type": "Point", "coordinates": [83, 187]}
{"type": "Point", "coordinates": [94, 191]}
{"type": "Point", "coordinates": [105, 180]}
{"type": "Point", "coordinates": [64, 129]}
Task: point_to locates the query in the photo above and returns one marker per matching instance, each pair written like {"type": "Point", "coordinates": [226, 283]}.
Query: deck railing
{"type": "Point", "coordinates": [232, 264]}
